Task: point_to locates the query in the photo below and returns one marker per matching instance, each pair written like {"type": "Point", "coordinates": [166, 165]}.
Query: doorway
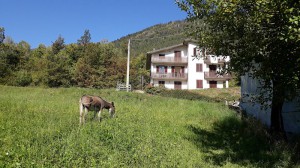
{"type": "Point", "coordinates": [212, 84]}
{"type": "Point", "coordinates": [177, 85]}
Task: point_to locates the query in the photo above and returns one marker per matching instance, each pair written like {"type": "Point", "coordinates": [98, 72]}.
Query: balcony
{"type": "Point", "coordinates": [214, 60]}
{"type": "Point", "coordinates": [177, 76]}
{"type": "Point", "coordinates": [172, 60]}
{"type": "Point", "coordinates": [215, 76]}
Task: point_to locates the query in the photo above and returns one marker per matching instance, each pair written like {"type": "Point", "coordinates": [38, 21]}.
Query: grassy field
{"type": "Point", "coordinates": [40, 128]}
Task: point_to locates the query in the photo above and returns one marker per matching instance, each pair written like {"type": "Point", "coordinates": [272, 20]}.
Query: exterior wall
{"type": "Point", "coordinates": [249, 91]}
{"type": "Point", "coordinates": [290, 110]}
{"type": "Point", "coordinates": [169, 84]}
{"type": "Point", "coordinates": [220, 84]}
{"type": "Point", "coordinates": [193, 75]}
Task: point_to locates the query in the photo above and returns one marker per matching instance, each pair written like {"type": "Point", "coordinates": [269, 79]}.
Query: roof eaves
{"type": "Point", "coordinates": [165, 49]}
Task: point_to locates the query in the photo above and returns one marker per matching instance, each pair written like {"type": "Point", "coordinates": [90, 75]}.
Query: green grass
{"type": "Point", "coordinates": [40, 128]}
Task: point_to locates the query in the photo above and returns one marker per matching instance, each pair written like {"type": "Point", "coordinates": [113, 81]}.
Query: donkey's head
{"type": "Point", "coordinates": [112, 109]}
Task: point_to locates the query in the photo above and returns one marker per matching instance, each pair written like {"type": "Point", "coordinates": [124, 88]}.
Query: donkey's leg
{"type": "Point", "coordinates": [95, 113]}
{"type": "Point", "coordinates": [99, 114]}
{"type": "Point", "coordinates": [85, 113]}
{"type": "Point", "coordinates": [81, 121]}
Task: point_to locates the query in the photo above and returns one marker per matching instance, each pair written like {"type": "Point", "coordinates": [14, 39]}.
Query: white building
{"type": "Point", "coordinates": [176, 67]}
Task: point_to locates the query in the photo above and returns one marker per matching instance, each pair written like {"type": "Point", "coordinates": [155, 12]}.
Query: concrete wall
{"type": "Point", "coordinates": [290, 111]}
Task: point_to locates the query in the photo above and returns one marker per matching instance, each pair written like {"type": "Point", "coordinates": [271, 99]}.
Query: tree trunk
{"type": "Point", "coordinates": [277, 126]}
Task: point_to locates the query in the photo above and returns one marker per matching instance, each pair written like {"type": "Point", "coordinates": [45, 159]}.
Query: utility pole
{"type": "Point", "coordinates": [128, 62]}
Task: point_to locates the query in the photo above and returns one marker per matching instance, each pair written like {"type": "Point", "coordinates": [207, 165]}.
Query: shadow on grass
{"type": "Point", "coordinates": [239, 142]}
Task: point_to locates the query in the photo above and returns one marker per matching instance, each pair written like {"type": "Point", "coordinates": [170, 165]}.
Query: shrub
{"type": "Point", "coordinates": [22, 78]}
{"type": "Point", "coordinates": [154, 90]}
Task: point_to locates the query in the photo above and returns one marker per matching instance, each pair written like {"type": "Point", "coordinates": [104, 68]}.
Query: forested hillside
{"type": "Point", "coordinates": [84, 63]}
{"type": "Point", "coordinates": [155, 37]}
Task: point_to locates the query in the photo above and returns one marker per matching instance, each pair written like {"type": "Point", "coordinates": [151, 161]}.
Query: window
{"type": "Point", "coordinates": [177, 54]}
{"type": "Point", "coordinates": [199, 68]}
{"type": "Point", "coordinates": [161, 55]}
{"type": "Point", "coordinates": [161, 69]}
{"type": "Point", "coordinates": [199, 83]}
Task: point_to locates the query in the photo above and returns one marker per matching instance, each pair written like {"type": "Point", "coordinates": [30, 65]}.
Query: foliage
{"type": "Point", "coordinates": [86, 64]}
{"type": "Point", "coordinates": [85, 39]}
{"type": "Point", "coordinates": [2, 34]}
{"type": "Point", "coordinates": [154, 90]}
{"type": "Point", "coordinates": [154, 37]}
{"type": "Point", "coordinates": [22, 78]}
{"type": "Point", "coordinates": [40, 128]}
{"type": "Point", "coordinates": [262, 39]}
{"type": "Point", "coordinates": [58, 70]}
{"type": "Point", "coordinates": [58, 45]}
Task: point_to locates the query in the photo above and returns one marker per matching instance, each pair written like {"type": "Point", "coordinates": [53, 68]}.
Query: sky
{"type": "Point", "coordinates": [42, 21]}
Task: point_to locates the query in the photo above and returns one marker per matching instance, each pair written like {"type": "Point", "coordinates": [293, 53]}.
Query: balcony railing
{"type": "Point", "coordinates": [182, 76]}
{"type": "Point", "coordinates": [215, 76]}
{"type": "Point", "coordinates": [164, 59]}
{"type": "Point", "coordinates": [214, 60]}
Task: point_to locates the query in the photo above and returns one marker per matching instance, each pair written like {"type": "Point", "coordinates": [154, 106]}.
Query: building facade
{"type": "Point", "coordinates": [186, 66]}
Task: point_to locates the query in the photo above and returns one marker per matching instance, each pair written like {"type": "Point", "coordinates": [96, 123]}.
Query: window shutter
{"type": "Point", "coordinates": [157, 69]}
{"type": "Point", "coordinates": [200, 68]}
{"type": "Point", "coordinates": [166, 69]}
{"type": "Point", "coordinates": [195, 50]}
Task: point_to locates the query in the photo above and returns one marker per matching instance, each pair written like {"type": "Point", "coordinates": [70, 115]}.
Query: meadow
{"type": "Point", "coordinates": [39, 127]}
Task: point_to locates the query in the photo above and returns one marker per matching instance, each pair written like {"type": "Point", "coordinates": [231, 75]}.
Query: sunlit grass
{"type": "Point", "coordinates": [40, 127]}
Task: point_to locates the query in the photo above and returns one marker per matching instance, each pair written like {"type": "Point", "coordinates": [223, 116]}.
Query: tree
{"type": "Point", "coordinates": [85, 39]}
{"type": "Point", "coordinates": [2, 35]}
{"type": "Point", "coordinates": [9, 62]}
{"type": "Point", "coordinates": [262, 37]}
{"type": "Point", "coordinates": [37, 64]}
{"type": "Point", "coordinates": [58, 45]}
{"type": "Point", "coordinates": [58, 70]}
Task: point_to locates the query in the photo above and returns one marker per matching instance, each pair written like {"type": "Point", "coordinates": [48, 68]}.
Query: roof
{"type": "Point", "coordinates": [184, 43]}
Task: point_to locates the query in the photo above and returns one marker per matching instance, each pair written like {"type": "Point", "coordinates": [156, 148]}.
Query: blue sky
{"type": "Point", "coordinates": [42, 21]}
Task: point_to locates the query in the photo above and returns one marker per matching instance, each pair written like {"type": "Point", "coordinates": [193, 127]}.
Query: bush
{"type": "Point", "coordinates": [154, 90]}
{"type": "Point", "coordinates": [22, 78]}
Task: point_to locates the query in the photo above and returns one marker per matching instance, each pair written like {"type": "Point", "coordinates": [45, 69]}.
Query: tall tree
{"type": "Point", "coordinates": [85, 39]}
{"type": "Point", "coordinates": [264, 33]}
{"type": "Point", "coordinates": [58, 45]}
{"type": "Point", "coordinates": [2, 35]}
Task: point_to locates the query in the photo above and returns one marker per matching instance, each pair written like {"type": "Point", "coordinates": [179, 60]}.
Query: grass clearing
{"type": "Point", "coordinates": [40, 128]}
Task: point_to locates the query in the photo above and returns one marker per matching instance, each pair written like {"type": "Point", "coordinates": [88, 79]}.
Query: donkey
{"type": "Point", "coordinates": [96, 104]}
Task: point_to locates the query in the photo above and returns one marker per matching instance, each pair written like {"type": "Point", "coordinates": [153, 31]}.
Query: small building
{"type": "Point", "coordinates": [186, 66]}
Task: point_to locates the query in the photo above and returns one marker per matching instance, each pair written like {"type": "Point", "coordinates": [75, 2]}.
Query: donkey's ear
{"type": "Point", "coordinates": [112, 103]}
